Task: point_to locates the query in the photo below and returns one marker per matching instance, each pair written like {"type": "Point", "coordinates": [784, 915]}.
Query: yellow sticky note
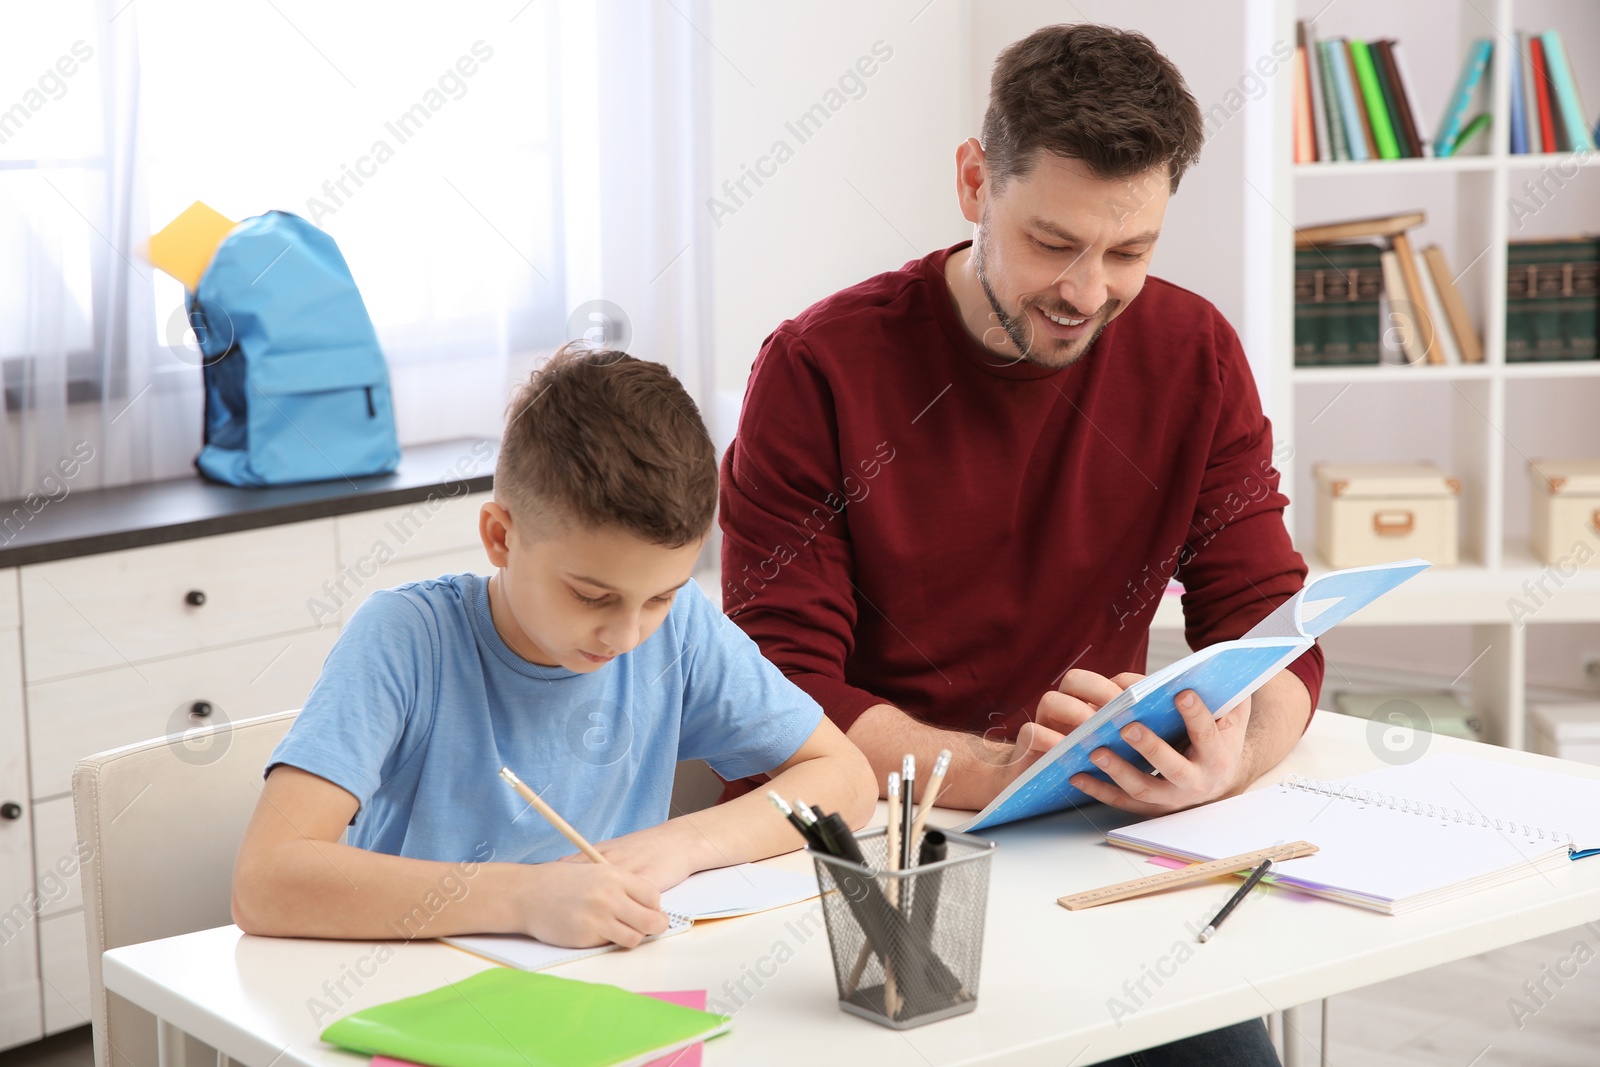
{"type": "Point", "coordinates": [184, 247]}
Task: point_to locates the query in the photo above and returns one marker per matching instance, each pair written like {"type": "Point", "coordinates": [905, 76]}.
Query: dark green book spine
{"type": "Point", "coordinates": [1582, 291]}
{"type": "Point", "coordinates": [1391, 99]}
{"type": "Point", "coordinates": [1552, 301]}
{"type": "Point", "coordinates": [1336, 304]}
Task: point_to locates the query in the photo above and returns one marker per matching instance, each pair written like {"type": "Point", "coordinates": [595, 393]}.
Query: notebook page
{"type": "Point", "coordinates": [530, 954]}
{"type": "Point", "coordinates": [1376, 853]}
{"type": "Point", "coordinates": [742, 889]}
{"type": "Point", "coordinates": [1331, 598]}
{"type": "Point", "coordinates": [1543, 799]}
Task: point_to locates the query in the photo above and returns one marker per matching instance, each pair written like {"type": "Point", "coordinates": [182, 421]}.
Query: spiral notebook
{"type": "Point", "coordinates": [1397, 839]}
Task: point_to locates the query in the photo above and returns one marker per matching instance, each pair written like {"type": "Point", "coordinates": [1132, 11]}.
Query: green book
{"type": "Point", "coordinates": [1336, 304]}
{"type": "Point", "coordinates": [504, 1017]}
{"type": "Point", "coordinates": [1372, 94]}
{"type": "Point", "coordinates": [1583, 311]}
{"type": "Point", "coordinates": [1552, 299]}
{"type": "Point", "coordinates": [1330, 101]}
{"type": "Point", "coordinates": [1391, 100]}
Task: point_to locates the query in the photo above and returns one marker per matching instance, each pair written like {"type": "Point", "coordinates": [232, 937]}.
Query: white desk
{"type": "Point", "coordinates": [1047, 973]}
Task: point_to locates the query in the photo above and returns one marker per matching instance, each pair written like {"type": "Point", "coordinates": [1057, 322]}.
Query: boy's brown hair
{"type": "Point", "coordinates": [600, 438]}
{"type": "Point", "coordinates": [1094, 93]}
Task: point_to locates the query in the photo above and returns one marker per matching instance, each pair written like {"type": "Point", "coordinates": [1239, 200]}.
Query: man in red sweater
{"type": "Point", "coordinates": [959, 489]}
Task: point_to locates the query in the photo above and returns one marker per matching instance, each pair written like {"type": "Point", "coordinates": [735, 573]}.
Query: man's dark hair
{"type": "Point", "coordinates": [600, 438]}
{"type": "Point", "coordinates": [1095, 93]}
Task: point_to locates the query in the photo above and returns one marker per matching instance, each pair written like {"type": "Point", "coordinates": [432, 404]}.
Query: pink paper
{"type": "Point", "coordinates": [686, 1057]}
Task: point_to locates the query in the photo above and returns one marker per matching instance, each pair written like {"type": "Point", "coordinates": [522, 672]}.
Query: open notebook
{"type": "Point", "coordinates": [1222, 674]}
{"type": "Point", "coordinates": [723, 893]}
{"type": "Point", "coordinates": [1397, 839]}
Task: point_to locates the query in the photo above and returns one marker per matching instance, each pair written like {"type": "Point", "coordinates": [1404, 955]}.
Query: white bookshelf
{"type": "Point", "coordinates": [1481, 422]}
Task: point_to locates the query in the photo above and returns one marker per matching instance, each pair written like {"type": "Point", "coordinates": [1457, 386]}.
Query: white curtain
{"type": "Point", "coordinates": [500, 177]}
{"type": "Point", "coordinates": [77, 329]}
{"type": "Point", "coordinates": [636, 120]}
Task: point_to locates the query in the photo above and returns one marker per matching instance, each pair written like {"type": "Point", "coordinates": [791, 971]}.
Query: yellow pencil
{"type": "Point", "coordinates": [550, 813]}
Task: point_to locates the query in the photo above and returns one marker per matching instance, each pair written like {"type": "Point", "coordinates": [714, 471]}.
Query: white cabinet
{"type": "Point", "coordinates": [143, 642]}
{"type": "Point", "coordinates": [64, 971]}
{"type": "Point", "coordinates": [122, 608]}
{"type": "Point", "coordinates": [392, 546]}
{"type": "Point", "coordinates": [20, 1012]}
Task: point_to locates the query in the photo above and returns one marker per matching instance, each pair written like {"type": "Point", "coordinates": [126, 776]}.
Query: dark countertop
{"type": "Point", "coordinates": [130, 516]}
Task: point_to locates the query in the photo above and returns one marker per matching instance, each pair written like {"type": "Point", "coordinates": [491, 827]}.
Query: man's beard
{"type": "Point", "coordinates": [1020, 328]}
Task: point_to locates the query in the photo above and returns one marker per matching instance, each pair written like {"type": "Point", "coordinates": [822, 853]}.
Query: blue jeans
{"type": "Point", "coordinates": [1241, 1045]}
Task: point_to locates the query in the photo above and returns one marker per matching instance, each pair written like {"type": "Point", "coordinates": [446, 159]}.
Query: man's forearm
{"type": "Point", "coordinates": [1278, 714]}
{"type": "Point", "coordinates": [977, 767]}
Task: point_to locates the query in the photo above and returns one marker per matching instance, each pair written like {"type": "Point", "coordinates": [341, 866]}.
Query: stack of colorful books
{"type": "Point", "coordinates": [1354, 101]}
{"type": "Point", "coordinates": [1364, 294]}
{"type": "Point", "coordinates": [1547, 114]}
{"type": "Point", "coordinates": [1552, 299]}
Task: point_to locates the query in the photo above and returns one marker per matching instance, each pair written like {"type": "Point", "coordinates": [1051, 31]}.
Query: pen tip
{"type": "Point", "coordinates": [1205, 935]}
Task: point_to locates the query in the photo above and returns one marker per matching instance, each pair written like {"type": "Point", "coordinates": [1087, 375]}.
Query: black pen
{"type": "Point", "coordinates": [908, 782]}
{"type": "Point", "coordinates": [1233, 902]}
{"type": "Point", "coordinates": [844, 841]}
{"type": "Point", "coordinates": [794, 820]}
{"type": "Point", "coordinates": [809, 816]}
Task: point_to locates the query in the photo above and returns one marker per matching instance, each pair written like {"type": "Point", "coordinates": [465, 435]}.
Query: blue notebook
{"type": "Point", "coordinates": [1222, 674]}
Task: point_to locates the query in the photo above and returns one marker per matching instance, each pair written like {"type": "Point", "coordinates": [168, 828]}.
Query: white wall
{"type": "Point", "coordinates": [869, 190]}
{"type": "Point", "coordinates": [1200, 240]}
{"type": "Point", "coordinates": [876, 186]}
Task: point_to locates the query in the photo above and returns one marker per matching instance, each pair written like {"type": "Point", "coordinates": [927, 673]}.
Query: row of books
{"type": "Point", "coordinates": [1365, 295]}
{"type": "Point", "coordinates": [1552, 299]}
{"type": "Point", "coordinates": [1353, 100]}
{"type": "Point", "coordinates": [1547, 112]}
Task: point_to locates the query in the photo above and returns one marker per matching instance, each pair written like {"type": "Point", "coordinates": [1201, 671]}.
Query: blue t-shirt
{"type": "Point", "coordinates": [421, 703]}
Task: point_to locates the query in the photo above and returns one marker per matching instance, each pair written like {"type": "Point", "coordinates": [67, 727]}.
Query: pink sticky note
{"type": "Point", "coordinates": [685, 1057]}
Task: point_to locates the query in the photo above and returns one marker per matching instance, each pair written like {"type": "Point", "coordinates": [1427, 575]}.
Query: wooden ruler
{"type": "Point", "coordinates": [1196, 872]}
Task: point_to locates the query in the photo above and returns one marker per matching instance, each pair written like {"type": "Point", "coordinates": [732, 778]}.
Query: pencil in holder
{"type": "Point", "coordinates": [906, 944]}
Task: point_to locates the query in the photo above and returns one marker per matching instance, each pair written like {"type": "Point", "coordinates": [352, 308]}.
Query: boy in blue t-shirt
{"type": "Point", "coordinates": [589, 664]}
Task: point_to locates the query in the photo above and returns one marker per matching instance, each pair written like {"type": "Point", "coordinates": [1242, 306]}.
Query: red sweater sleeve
{"type": "Point", "coordinates": [787, 565]}
{"type": "Point", "coordinates": [1238, 563]}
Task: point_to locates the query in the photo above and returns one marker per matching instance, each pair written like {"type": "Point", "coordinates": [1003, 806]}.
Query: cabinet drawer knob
{"type": "Point", "coordinates": [200, 709]}
{"type": "Point", "coordinates": [194, 598]}
{"type": "Point", "coordinates": [10, 810]}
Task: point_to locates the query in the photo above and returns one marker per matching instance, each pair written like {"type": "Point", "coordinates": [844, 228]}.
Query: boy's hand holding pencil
{"type": "Point", "coordinates": [589, 903]}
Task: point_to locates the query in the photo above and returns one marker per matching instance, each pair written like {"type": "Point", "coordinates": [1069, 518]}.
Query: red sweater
{"type": "Point", "coordinates": [909, 520]}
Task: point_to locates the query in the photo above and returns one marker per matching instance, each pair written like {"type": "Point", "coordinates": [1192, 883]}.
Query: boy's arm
{"type": "Point", "coordinates": [293, 878]}
{"type": "Point", "coordinates": [827, 771]}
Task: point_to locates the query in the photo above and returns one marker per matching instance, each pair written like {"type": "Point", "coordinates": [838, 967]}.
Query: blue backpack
{"type": "Point", "coordinates": [296, 386]}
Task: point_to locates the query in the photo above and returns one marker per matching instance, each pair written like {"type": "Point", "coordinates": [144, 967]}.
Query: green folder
{"type": "Point", "coordinates": [1377, 110]}
{"type": "Point", "coordinates": [505, 1017]}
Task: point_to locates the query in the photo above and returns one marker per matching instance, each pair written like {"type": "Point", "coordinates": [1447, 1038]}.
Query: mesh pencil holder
{"type": "Point", "coordinates": [906, 944]}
